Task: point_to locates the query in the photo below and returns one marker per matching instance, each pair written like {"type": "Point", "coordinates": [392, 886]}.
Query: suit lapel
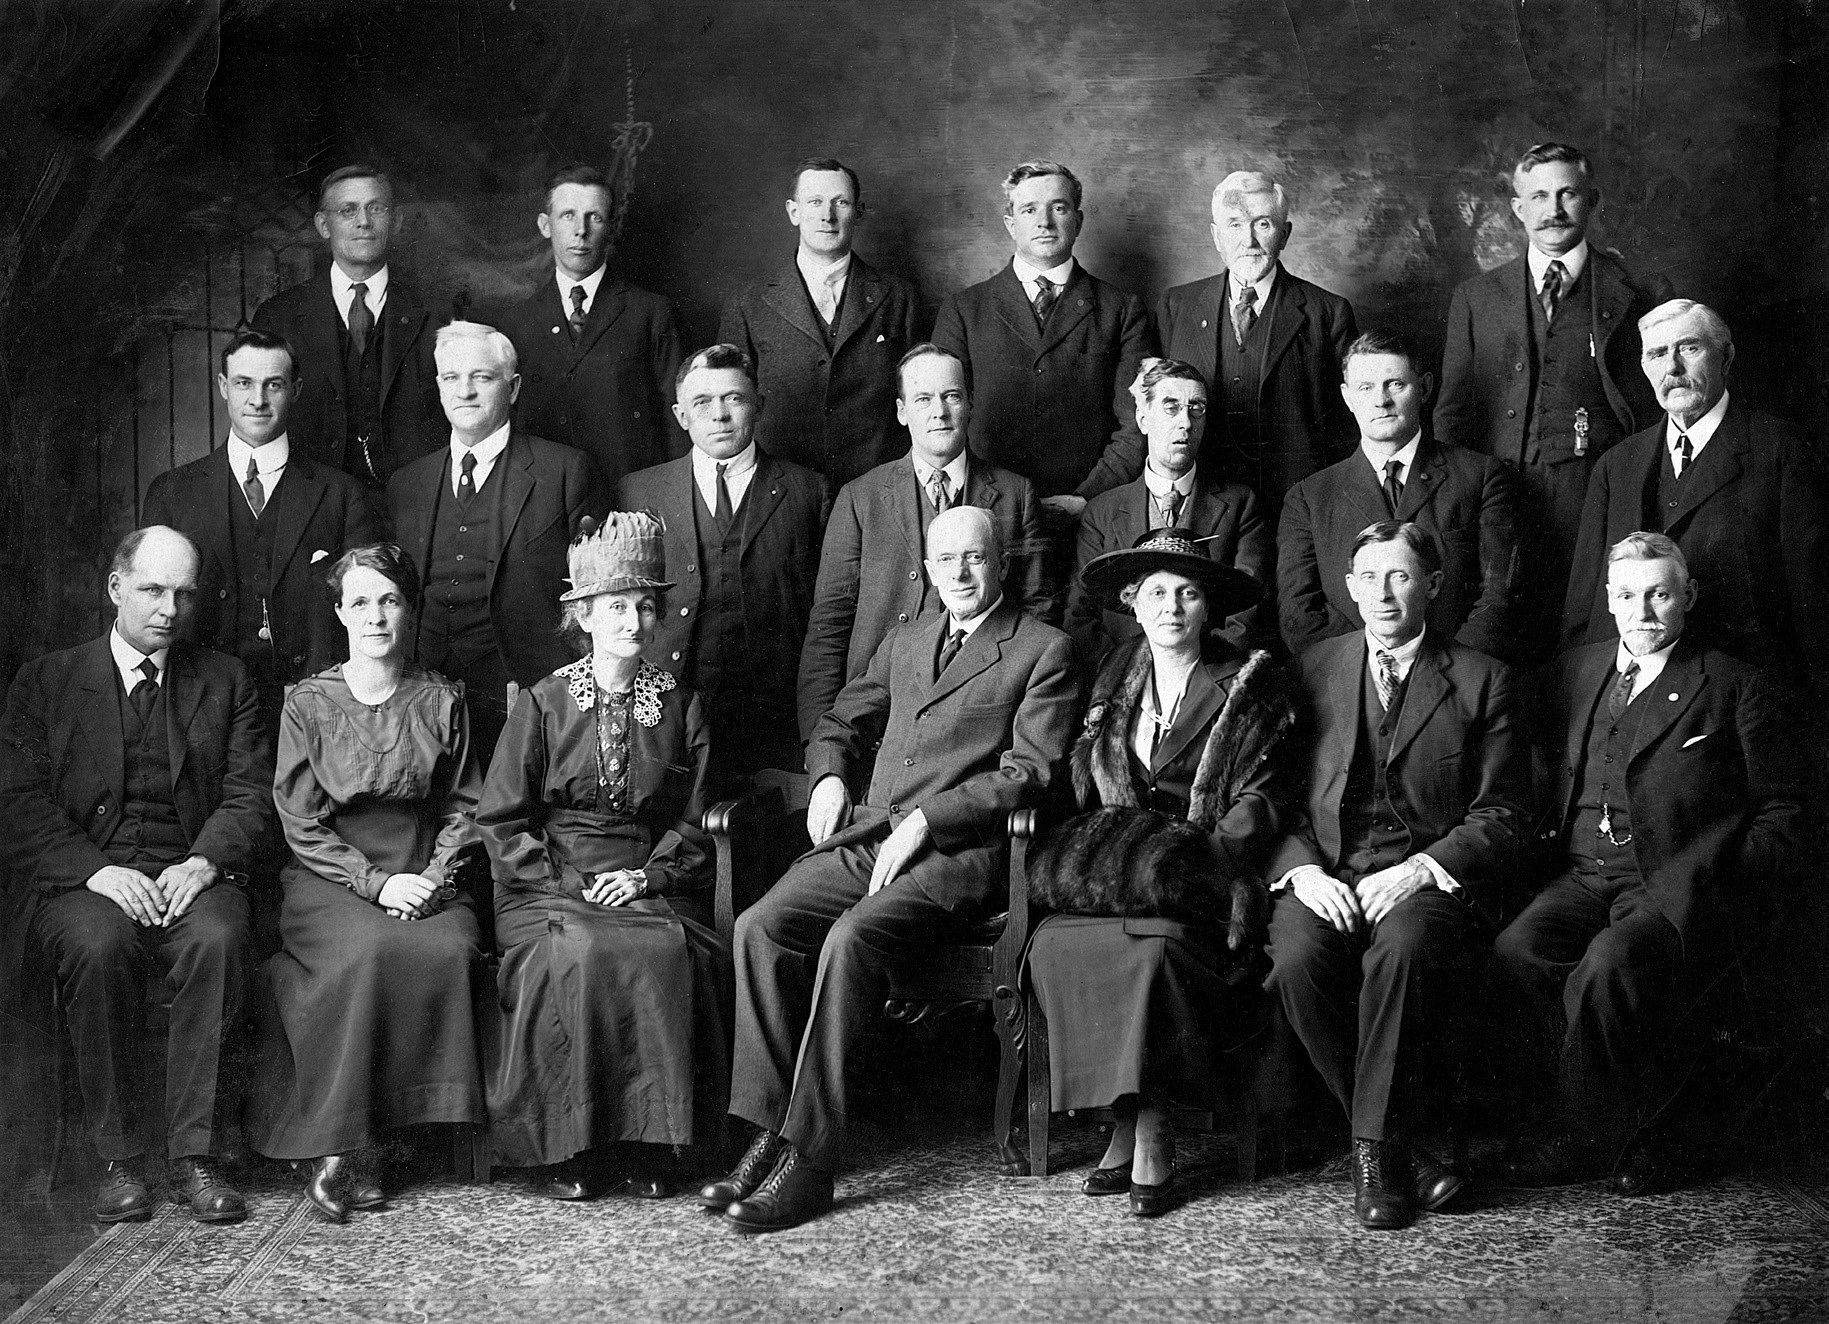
{"type": "Point", "coordinates": [1361, 488]}
{"type": "Point", "coordinates": [1720, 463]}
{"type": "Point", "coordinates": [1427, 687]}
{"type": "Point", "coordinates": [435, 482]}
{"type": "Point", "coordinates": [979, 653]}
{"type": "Point", "coordinates": [1343, 685]}
{"type": "Point", "coordinates": [1202, 700]}
{"type": "Point", "coordinates": [1207, 507]}
{"type": "Point", "coordinates": [1678, 686]}
{"type": "Point", "coordinates": [324, 334]}
{"type": "Point", "coordinates": [787, 295]}
{"type": "Point", "coordinates": [902, 505]}
{"type": "Point", "coordinates": [1013, 308]}
{"type": "Point", "coordinates": [221, 488]}
{"type": "Point", "coordinates": [980, 485]}
{"type": "Point", "coordinates": [863, 290]}
{"type": "Point", "coordinates": [1426, 478]}
{"type": "Point", "coordinates": [1288, 314]}
{"type": "Point", "coordinates": [516, 466]}
{"type": "Point", "coordinates": [1586, 680]}
{"type": "Point", "coordinates": [405, 321]}
{"type": "Point", "coordinates": [296, 500]}
{"type": "Point", "coordinates": [612, 299]}
{"type": "Point", "coordinates": [767, 490]}
{"type": "Point", "coordinates": [100, 717]}
{"type": "Point", "coordinates": [184, 691]}
{"type": "Point", "coordinates": [1073, 307]}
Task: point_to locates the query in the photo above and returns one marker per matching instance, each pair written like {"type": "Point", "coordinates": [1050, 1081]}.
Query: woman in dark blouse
{"type": "Point", "coordinates": [614, 1050]}
{"type": "Point", "coordinates": [369, 1021]}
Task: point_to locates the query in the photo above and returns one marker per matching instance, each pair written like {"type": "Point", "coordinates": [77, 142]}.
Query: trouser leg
{"type": "Point", "coordinates": [1315, 972]}
{"type": "Point", "coordinates": [208, 954]}
{"type": "Point", "coordinates": [1533, 959]}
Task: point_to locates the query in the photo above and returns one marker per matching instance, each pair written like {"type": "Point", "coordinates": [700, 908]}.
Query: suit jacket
{"type": "Point", "coordinates": [1459, 765]}
{"type": "Point", "coordinates": [1052, 405]}
{"type": "Point", "coordinates": [989, 736]}
{"type": "Point", "coordinates": [610, 394]}
{"type": "Point", "coordinates": [1231, 519]}
{"type": "Point", "coordinates": [871, 578]}
{"type": "Point", "coordinates": [321, 513]}
{"type": "Point", "coordinates": [1752, 523]}
{"type": "Point", "coordinates": [545, 489]}
{"type": "Point", "coordinates": [411, 417]}
{"type": "Point", "coordinates": [1714, 778]}
{"type": "Point", "coordinates": [1467, 500]}
{"type": "Point", "coordinates": [1489, 364]}
{"type": "Point", "coordinates": [784, 510]}
{"type": "Point", "coordinates": [829, 408]}
{"type": "Point", "coordinates": [1302, 420]}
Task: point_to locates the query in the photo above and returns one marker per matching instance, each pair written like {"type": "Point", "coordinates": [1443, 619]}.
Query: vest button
{"type": "Point", "coordinates": [914, 574]}
{"type": "Point", "coordinates": [101, 809]}
{"type": "Point", "coordinates": [460, 556]}
{"type": "Point", "coordinates": [685, 611]}
{"type": "Point", "coordinates": [908, 763]}
{"type": "Point", "coordinates": [692, 569]}
{"type": "Point", "coordinates": [564, 419]}
{"type": "Point", "coordinates": [1040, 368]}
{"type": "Point", "coordinates": [638, 413]}
{"type": "Point", "coordinates": [901, 616]}
{"type": "Point", "coordinates": [1511, 413]}
{"type": "Point", "coordinates": [222, 593]}
{"type": "Point", "coordinates": [463, 528]}
{"type": "Point", "coordinates": [895, 809]}
{"type": "Point", "coordinates": [676, 657]}
{"type": "Point", "coordinates": [1517, 367]}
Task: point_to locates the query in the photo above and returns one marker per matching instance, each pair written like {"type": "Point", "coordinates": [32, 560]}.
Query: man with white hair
{"type": "Point", "coordinates": [487, 521]}
{"type": "Point", "coordinates": [1269, 342]}
{"type": "Point", "coordinates": [1733, 487]}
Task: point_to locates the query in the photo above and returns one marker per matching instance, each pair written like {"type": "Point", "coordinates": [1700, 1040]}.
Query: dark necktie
{"type": "Point", "coordinates": [257, 495]}
{"type": "Point", "coordinates": [939, 491]}
{"type": "Point", "coordinates": [1046, 292]}
{"type": "Point", "coordinates": [361, 321]}
{"type": "Point", "coordinates": [1551, 293]}
{"type": "Point", "coordinates": [577, 317]}
{"type": "Point", "coordinates": [1393, 485]}
{"type": "Point", "coordinates": [466, 480]}
{"type": "Point", "coordinates": [1621, 694]}
{"type": "Point", "coordinates": [1385, 677]}
{"type": "Point", "coordinates": [723, 514]}
{"type": "Point", "coordinates": [1169, 504]}
{"type": "Point", "coordinates": [146, 691]}
{"type": "Point", "coordinates": [1244, 314]}
{"type": "Point", "coordinates": [955, 639]}
{"type": "Point", "coordinates": [1683, 454]}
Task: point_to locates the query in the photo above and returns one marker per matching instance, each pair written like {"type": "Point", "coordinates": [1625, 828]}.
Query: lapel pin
{"type": "Point", "coordinates": [555, 330]}
{"type": "Point", "coordinates": [1203, 323]}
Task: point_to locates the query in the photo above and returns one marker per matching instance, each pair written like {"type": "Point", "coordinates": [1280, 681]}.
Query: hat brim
{"type": "Point", "coordinates": [1228, 591]}
{"type": "Point", "coordinates": [621, 584]}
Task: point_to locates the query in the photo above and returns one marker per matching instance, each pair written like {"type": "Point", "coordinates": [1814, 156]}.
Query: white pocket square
{"type": "Point", "coordinates": [1693, 739]}
{"type": "Point", "coordinates": [879, 340]}
{"type": "Point", "coordinates": [318, 555]}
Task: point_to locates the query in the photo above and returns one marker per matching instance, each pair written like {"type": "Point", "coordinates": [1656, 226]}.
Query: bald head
{"type": "Point", "coordinates": [153, 585]}
{"type": "Point", "coordinates": [965, 560]}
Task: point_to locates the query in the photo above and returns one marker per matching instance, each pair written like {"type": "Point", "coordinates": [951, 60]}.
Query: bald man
{"type": "Point", "coordinates": [974, 708]}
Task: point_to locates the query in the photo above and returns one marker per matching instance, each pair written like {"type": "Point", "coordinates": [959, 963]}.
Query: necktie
{"type": "Point", "coordinates": [1046, 292]}
{"type": "Point", "coordinates": [1621, 694]}
{"type": "Point", "coordinates": [1244, 314]}
{"type": "Point", "coordinates": [1393, 485]}
{"type": "Point", "coordinates": [466, 481]}
{"type": "Point", "coordinates": [577, 317]}
{"type": "Point", "coordinates": [1683, 455]}
{"type": "Point", "coordinates": [361, 321]}
{"type": "Point", "coordinates": [939, 491]}
{"type": "Point", "coordinates": [825, 297]}
{"type": "Point", "coordinates": [1552, 289]}
{"type": "Point", "coordinates": [722, 514]}
{"type": "Point", "coordinates": [1386, 680]}
{"type": "Point", "coordinates": [1169, 504]}
{"type": "Point", "coordinates": [955, 638]}
{"type": "Point", "coordinates": [146, 691]}
{"type": "Point", "coordinates": [257, 495]}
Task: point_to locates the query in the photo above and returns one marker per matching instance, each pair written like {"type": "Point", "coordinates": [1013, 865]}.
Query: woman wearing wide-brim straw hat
{"type": "Point", "coordinates": [613, 1045]}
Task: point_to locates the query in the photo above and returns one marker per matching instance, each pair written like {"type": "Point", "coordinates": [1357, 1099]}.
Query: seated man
{"type": "Point", "coordinates": [1415, 802]}
{"type": "Point", "coordinates": [135, 780]}
{"type": "Point", "coordinates": [1677, 795]}
{"type": "Point", "coordinates": [974, 710]}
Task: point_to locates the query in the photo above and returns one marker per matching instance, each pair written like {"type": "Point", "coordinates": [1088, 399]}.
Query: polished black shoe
{"type": "Point", "coordinates": [1107, 1181]}
{"type": "Point", "coordinates": [565, 1181]}
{"type": "Point", "coordinates": [654, 1185]}
{"type": "Point", "coordinates": [122, 1197]}
{"type": "Point", "coordinates": [1641, 1171]}
{"type": "Point", "coordinates": [792, 1194]}
{"type": "Point", "coordinates": [1151, 1201]}
{"type": "Point", "coordinates": [1381, 1190]}
{"type": "Point", "coordinates": [197, 1181]}
{"type": "Point", "coordinates": [751, 1171]}
{"type": "Point", "coordinates": [363, 1186]}
{"type": "Point", "coordinates": [324, 1188]}
{"type": "Point", "coordinates": [1433, 1183]}
{"type": "Point", "coordinates": [1550, 1161]}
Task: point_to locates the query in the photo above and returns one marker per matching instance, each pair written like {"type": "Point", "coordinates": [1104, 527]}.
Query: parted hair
{"type": "Point", "coordinates": [1643, 546]}
{"type": "Point", "coordinates": [1156, 371]}
{"type": "Point", "coordinates": [578, 173]}
{"type": "Point", "coordinates": [387, 559]}
{"type": "Point", "coordinates": [252, 339]}
{"type": "Point", "coordinates": [1385, 340]}
{"type": "Point", "coordinates": [1545, 153]}
{"type": "Point", "coordinates": [718, 356]}
{"type": "Point", "coordinates": [354, 170]}
{"type": "Point", "coordinates": [1414, 536]}
{"type": "Point", "coordinates": [923, 350]}
{"type": "Point", "coordinates": [1039, 169]}
{"type": "Point", "coordinates": [501, 344]}
{"type": "Point", "coordinates": [827, 163]}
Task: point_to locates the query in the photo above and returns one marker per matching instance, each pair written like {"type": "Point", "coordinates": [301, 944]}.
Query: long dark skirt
{"type": "Point", "coordinates": [613, 1028]}
{"type": "Point", "coordinates": [1135, 1006]}
{"type": "Point", "coordinates": [367, 1022]}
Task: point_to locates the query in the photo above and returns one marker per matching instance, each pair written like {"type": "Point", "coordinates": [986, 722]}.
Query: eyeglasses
{"type": "Point", "coordinates": [952, 560]}
{"type": "Point", "coordinates": [1195, 408]}
{"type": "Point", "coordinates": [375, 211]}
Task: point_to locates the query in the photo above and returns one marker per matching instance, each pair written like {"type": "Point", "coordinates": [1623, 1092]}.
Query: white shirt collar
{"type": "Point", "coordinates": [1406, 457]}
{"type": "Point", "coordinates": [340, 284]}
{"type": "Point", "coordinates": [127, 659]}
{"type": "Point", "coordinates": [590, 283]}
{"type": "Point", "coordinates": [816, 270]}
{"type": "Point", "coordinates": [1234, 289]}
{"type": "Point", "coordinates": [1705, 427]}
{"type": "Point", "coordinates": [705, 469]}
{"type": "Point", "coordinates": [270, 459]}
{"type": "Point", "coordinates": [1062, 275]}
{"type": "Point", "coordinates": [970, 627]}
{"type": "Point", "coordinates": [1574, 262]}
{"type": "Point", "coordinates": [955, 472]}
{"type": "Point", "coordinates": [1161, 484]}
{"type": "Point", "coordinates": [1650, 666]}
{"type": "Point", "coordinates": [1404, 653]}
{"type": "Point", "coordinates": [487, 452]}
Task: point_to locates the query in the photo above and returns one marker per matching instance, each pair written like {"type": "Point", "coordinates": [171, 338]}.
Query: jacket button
{"type": "Point", "coordinates": [101, 809]}
{"type": "Point", "coordinates": [222, 593]}
{"type": "Point", "coordinates": [901, 616]}
{"type": "Point", "coordinates": [1517, 367]}
{"type": "Point", "coordinates": [895, 809]}
{"type": "Point", "coordinates": [1511, 413]}
{"type": "Point", "coordinates": [914, 574]}
{"type": "Point", "coordinates": [685, 610]}
{"type": "Point", "coordinates": [564, 419]}
{"type": "Point", "coordinates": [692, 569]}
{"type": "Point", "coordinates": [908, 763]}
{"type": "Point", "coordinates": [1040, 368]}
{"type": "Point", "coordinates": [638, 413]}
{"type": "Point", "coordinates": [822, 363]}
{"type": "Point", "coordinates": [676, 657]}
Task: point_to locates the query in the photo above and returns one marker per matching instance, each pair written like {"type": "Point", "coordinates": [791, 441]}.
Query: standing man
{"type": "Point", "coordinates": [974, 710]}
{"type": "Point", "coordinates": [1051, 351]}
{"type": "Point", "coordinates": [368, 392]}
{"type": "Point", "coordinates": [137, 788]}
{"type": "Point", "coordinates": [1677, 802]}
{"type": "Point", "coordinates": [870, 577]}
{"type": "Point", "coordinates": [1269, 342]}
{"type": "Point", "coordinates": [1416, 798]}
{"type": "Point", "coordinates": [1467, 501]}
{"type": "Point", "coordinates": [598, 355]}
{"type": "Point", "coordinates": [268, 521]}
{"type": "Point", "coordinates": [488, 520]}
{"type": "Point", "coordinates": [742, 539]}
{"type": "Point", "coordinates": [1539, 369]}
{"type": "Point", "coordinates": [826, 332]}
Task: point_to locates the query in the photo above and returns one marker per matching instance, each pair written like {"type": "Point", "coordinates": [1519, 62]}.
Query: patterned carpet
{"type": "Point", "coordinates": [926, 1230]}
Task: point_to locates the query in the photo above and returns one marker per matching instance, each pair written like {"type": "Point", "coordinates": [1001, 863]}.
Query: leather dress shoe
{"type": "Point", "coordinates": [650, 1185]}
{"type": "Point", "coordinates": [1433, 1182]}
{"type": "Point", "coordinates": [196, 1180]}
{"type": "Point", "coordinates": [1381, 1193]}
{"type": "Point", "coordinates": [565, 1181]}
{"type": "Point", "coordinates": [751, 1171]}
{"type": "Point", "coordinates": [324, 1188]}
{"type": "Point", "coordinates": [1150, 1201]}
{"type": "Point", "coordinates": [792, 1194]}
{"type": "Point", "coordinates": [1641, 1171]}
{"type": "Point", "coordinates": [363, 1187]}
{"type": "Point", "coordinates": [122, 1196]}
{"type": "Point", "coordinates": [1553, 1161]}
{"type": "Point", "coordinates": [1107, 1181]}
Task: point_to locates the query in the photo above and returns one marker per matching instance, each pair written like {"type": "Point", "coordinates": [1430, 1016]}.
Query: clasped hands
{"type": "Point", "coordinates": [156, 902]}
{"type": "Point", "coordinates": [1375, 896]}
{"type": "Point", "coordinates": [410, 896]}
{"type": "Point", "coordinates": [829, 809]}
{"type": "Point", "coordinates": [617, 887]}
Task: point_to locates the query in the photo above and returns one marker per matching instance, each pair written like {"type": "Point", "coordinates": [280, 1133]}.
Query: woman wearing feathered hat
{"type": "Point", "coordinates": [1157, 890]}
{"type": "Point", "coordinates": [613, 1049]}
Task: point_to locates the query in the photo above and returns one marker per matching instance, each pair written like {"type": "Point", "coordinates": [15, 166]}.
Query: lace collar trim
{"type": "Point", "coordinates": [650, 683]}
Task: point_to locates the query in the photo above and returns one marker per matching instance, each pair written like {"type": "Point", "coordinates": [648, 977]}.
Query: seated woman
{"type": "Point", "coordinates": [613, 984]}
{"type": "Point", "coordinates": [369, 1018]}
{"type": "Point", "coordinates": [1159, 892]}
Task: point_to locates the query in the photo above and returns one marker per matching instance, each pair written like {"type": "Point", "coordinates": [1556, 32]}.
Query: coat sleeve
{"type": "Point", "coordinates": [1343, 330]}
{"type": "Point", "coordinates": [1302, 610]}
{"type": "Point", "coordinates": [949, 329]}
{"type": "Point", "coordinates": [587, 491]}
{"type": "Point", "coordinates": [43, 846]}
{"type": "Point", "coordinates": [666, 350]}
{"type": "Point", "coordinates": [512, 814]}
{"type": "Point", "coordinates": [1588, 568]}
{"type": "Point", "coordinates": [1085, 618]}
{"type": "Point", "coordinates": [462, 781]}
{"type": "Point", "coordinates": [1485, 845]}
{"type": "Point", "coordinates": [733, 326]}
{"type": "Point", "coordinates": [1457, 418]}
{"type": "Point", "coordinates": [834, 613]}
{"type": "Point", "coordinates": [1774, 790]}
{"type": "Point", "coordinates": [1491, 626]}
{"type": "Point", "coordinates": [1803, 536]}
{"type": "Point", "coordinates": [1122, 459]}
{"type": "Point", "coordinates": [306, 808]}
{"type": "Point", "coordinates": [239, 830]}
{"type": "Point", "coordinates": [856, 720]}
{"type": "Point", "coordinates": [1255, 627]}
{"type": "Point", "coordinates": [158, 507]}
{"type": "Point", "coordinates": [1032, 581]}
{"type": "Point", "coordinates": [681, 860]}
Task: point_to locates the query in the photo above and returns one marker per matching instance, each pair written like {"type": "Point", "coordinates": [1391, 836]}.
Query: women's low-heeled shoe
{"type": "Point", "coordinates": [1150, 1201]}
{"type": "Point", "coordinates": [321, 1188]}
{"type": "Point", "coordinates": [1107, 1181]}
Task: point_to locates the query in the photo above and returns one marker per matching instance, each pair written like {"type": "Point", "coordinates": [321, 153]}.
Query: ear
{"type": "Point", "coordinates": [514, 388]}
{"type": "Point", "coordinates": [1009, 225]}
{"type": "Point", "coordinates": [222, 385]}
{"type": "Point", "coordinates": [1435, 583]}
{"type": "Point", "coordinates": [681, 417]}
{"type": "Point", "coordinates": [322, 224]}
{"type": "Point", "coordinates": [1727, 360]}
{"type": "Point", "coordinates": [545, 223]}
{"type": "Point", "coordinates": [793, 213]}
{"type": "Point", "coordinates": [1517, 208]}
{"type": "Point", "coordinates": [901, 410]}
{"type": "Point", "coordinates": [1428, 381]}
{"type": "Point", "coordinates": [1689, 595]}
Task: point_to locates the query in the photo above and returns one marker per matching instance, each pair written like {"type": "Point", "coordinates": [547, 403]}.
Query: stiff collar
{"type": "Point", "coordinates": [1406, 457]}
{"type": "Point", "coordinates": [590, 283]}
{"type": "Point", "coordinates": [270, 460]}
{"type": "Point", "coordinates": [340, 285]}
{"type": "Point", "coordinates": [1705, 427]}
{"type": "Point", "coordinates": [127, 659]}
{"type": "Point", "coordinates": [1574, 262]}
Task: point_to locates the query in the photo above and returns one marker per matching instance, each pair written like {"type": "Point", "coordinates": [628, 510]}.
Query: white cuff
{"type": "Point", "coordinates": [1443, 879]}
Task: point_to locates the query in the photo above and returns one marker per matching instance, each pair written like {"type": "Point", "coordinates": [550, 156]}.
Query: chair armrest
{"type": "Point", "coordinates": [1006, 956]}
{"type": "Point", "coordinates": [721, 822]}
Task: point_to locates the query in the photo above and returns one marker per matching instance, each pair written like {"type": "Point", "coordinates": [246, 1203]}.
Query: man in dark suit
{"type": "Point", "coordinates": [136, 783]}
{"type": "Point", "coordinates": [974, 711]}
{"type": "Point", "coordinates": [1269, 343]}
{"type": "Point", "coordinates": [742, 534]}
{"type": "Point", "coordinates": [368, 393]}
{"type": "Point", "coordinates": [826, 332]}
{"type": "Point", "coordinates": [598, 355]}
{"type": "Point", "coordinates": [1415, 806]}
{"type": "Point", "coordinates": [870, 577]}
{"type": "Point", "coordinates": [269, 521]}
{"type": "Point", "coordinates": [1736, 489]}
{"type": "Point", "coordinates": [1540, 367]}
{"type": "Point", "coordinates": [1466, 500]}
{"type": "Point", "coordinates": [1050, 351]}
{"type": "Point", "coordinates": [1174, 492]}
{"type": "Point", "coordinates": [1675, 803]}
{"type": "Point", "coordinates": [488, 522]}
